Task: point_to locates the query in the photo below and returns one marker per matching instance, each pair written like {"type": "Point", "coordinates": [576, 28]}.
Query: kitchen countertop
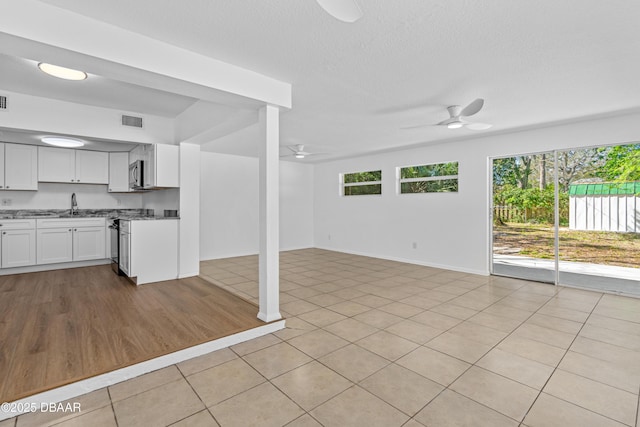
{"type": "Point", "coordinates": [144, 218]}
{"type": "Point", "coordinates": [125, 214]}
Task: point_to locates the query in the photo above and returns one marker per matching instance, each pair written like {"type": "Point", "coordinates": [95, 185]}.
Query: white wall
{"type": "Point", "coordinates": [229, 206]}
{"type": "Point", "coordinates": [296, 206]}
{"type": "Point", "coordinates": [49, 115]}
{"type": "Point", "coordinates": [451, 230]}
{"type": "Point", "coordinates": [159, 200]}
{"type": "Point", "coordinates": [58, 196]}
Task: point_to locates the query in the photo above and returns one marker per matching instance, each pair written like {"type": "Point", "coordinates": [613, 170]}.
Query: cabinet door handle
{"type": "Point", "coordinates": [69, 229]}
{"type": "Point", "coordinates": [0, 186]}
{"type": "Point", "coordinates": [7, 186]}
{"type": "Point", "coordinates": [4, 232]}
{"type": "Point", "coordinates": [75, 229]}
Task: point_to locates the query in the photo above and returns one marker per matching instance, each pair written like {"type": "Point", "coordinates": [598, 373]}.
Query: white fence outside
{"type": "Point", "coordinates": [605, 213]}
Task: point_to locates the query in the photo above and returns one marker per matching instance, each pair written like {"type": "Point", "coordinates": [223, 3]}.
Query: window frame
{"type": "Point", "coordinates": [400, 180]}
{"type": "Point", "coordinates": [344, 185]}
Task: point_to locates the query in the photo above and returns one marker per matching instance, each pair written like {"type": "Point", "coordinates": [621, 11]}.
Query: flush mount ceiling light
{"type": "Point", "coordinates": [62, 72]}
{"type": "Point", "coordinates": [60, 141]}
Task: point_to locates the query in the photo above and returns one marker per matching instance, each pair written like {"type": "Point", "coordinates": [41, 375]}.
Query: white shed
{"type": "Point", "coordinates": [605, 207]}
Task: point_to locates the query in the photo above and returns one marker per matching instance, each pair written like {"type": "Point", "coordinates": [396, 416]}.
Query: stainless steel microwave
{"type": "Point", "coordinates": [136, 175]}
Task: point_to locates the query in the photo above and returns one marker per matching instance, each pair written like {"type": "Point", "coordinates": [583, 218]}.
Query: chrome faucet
{"type": "Point", "coordinates": [74, 205]}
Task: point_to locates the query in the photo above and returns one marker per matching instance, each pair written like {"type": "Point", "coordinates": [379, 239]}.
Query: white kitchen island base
{"type": "Point", "coordinates": [153, 250]}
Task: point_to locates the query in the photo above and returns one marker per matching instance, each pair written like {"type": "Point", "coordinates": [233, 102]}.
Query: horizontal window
{"type": "Point", "coordinates": [435, 178]}
{"type": "Point", "coordinates": [362, 183]}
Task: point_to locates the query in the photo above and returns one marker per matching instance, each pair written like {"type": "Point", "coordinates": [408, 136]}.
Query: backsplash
{"type": "Point", "coordinates": [58, 196]}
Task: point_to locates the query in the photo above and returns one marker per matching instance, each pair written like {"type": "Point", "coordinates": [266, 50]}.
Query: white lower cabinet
{"type": "Point", "coordinates": [124, 256]}
{"type": "Point", "coordinates": [88, 243]}
{"type": "Point", "coordinates": [55, 245]}
{"type": "Point", "coordinates": [149, 250]}
{"type": "Point", "coordinates": [18, 248]}
{"type": "Point", "coordinates": [66, 240]}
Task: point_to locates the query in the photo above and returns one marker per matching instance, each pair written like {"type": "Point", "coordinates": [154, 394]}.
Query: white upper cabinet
{"type": "Point", "coordinates": [167, 165]}
{"type": "Point", "coordinates": [56, 165]}
{"type": "Point", "coordinates": [92, 167]}
{"type": "Point", "coordinates": [162, 166]}
{"type": "Point", "coordinates": [18, 167]}
{"type": "Point", "coordinates": [119, 172]}
{"type": "Point", "coordinates": [78, 166]}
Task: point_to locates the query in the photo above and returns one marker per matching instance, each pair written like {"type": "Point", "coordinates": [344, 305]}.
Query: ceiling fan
{"type": "Point", "coordinates": [457, 116]}
{"type": "Point", "coordinates": [298, 152]}
{"type": "Point", "coordinates": [343, 10]}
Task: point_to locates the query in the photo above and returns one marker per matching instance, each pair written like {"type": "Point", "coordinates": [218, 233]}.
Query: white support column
{"type": "Point", "coordinates": [269, 258]}
{"type": "Point", "coordinates": [189, 236]}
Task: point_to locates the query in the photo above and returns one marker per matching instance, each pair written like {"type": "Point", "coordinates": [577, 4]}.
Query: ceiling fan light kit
{"type": "Point", "coordinates": [457, 113]}
{"type": "Point", "coordinates": [298, 152]}
{"type": "Point", "coordinates": [457, 116]}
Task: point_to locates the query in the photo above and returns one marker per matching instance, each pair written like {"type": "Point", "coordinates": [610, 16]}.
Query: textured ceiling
{"type": "Point", "coordinates": [356, 85]}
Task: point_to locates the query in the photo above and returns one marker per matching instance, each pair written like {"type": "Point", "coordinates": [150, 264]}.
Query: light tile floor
{"type": "Point", "coordinates": [379, 343]}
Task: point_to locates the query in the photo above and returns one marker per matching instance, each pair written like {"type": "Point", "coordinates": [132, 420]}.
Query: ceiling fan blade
{"type": "Point", "coordinates": [417, 126]}
{"type": "Point", "coordinates": [449, 120]}
{"type": "Point", "coordinates": [472, 108]}
{"type": "Point", "coordinates": [478, 126]}
{"type": "Point", "coordinates": [292, 148]}
{"type": "Point", "coordinates": [342, 10]}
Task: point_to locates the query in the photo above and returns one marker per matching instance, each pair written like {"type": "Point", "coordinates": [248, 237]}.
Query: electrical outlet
{"type": "Point", "coordinates": [118, 202]}
{"type": "Point", "coordinates": [6, 202]}
{"type": "Point", "coordinates": [329, 236]}
{"type": "Point", "coordinates": [414, 245]}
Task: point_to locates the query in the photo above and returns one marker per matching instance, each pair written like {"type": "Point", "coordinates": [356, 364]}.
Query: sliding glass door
{"type": "Point", "coordinates": [569, 217]}
{"type": "Point", "coordinates": [599, 237]}
{"type": "Point", "coordinates": [523, 217]}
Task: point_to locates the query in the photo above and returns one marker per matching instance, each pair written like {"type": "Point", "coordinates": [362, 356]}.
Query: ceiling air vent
{"type": "Point", "coordinates": [3, 103]}
{"type": "Point", "coordinates": [132, 121]}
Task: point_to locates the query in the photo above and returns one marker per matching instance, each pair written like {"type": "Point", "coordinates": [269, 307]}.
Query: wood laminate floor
{"type": "Point", "coordinates": [57, 327]}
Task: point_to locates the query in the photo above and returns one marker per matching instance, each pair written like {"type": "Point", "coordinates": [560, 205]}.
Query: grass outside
{"type": "Point", "coordinates": [596, 247]}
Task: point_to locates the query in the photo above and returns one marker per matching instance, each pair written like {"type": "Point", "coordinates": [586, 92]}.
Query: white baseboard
{"type": "Point", "coordinates": [410, 261]}
{"type": "Point", "coordinates": [185, 275]}
{"type": "Point", "coordinates": [239, 254]}
{"type": "Point", "coordinates": [47, 267]}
